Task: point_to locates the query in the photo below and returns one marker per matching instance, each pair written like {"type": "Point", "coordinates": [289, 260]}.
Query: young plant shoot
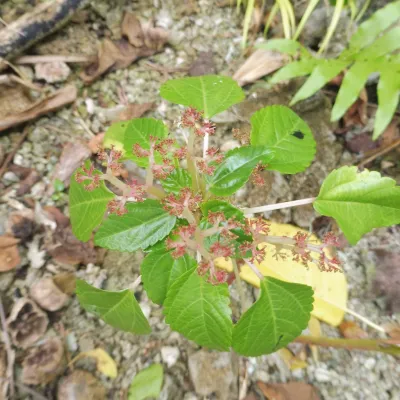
{"type": "Point", "coordinates": [181, 215]}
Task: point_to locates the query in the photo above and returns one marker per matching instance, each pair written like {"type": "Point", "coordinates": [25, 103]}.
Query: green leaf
{"type": "Point", "coordinates": [159, 270]}
{"type": "Point", "coordinates": [145, 224]}
{"type": "Point", "coordinates": [295, 69]}
{"type": "Point", "coordinates": [200, 311]}
{"type": "Point", "coordinates": [87, 209]}
{"type": "Point", "coordinates": [178, 179]}
{"type": "Point", "coordinates": [123, 135]}
{"type": "Point", "coordinates": [236, 168]}
{"type": "Point", "coordinates": [368, 31]}
{"type": "Point", "coordinates": [352, 84]}
{"type": "Point", "coordinates": [147, 383]}
{"type": "Point", "coordinates": [209, 93]}
{"type": "Point", "coordinates": [325, 71]}
{"type": "Point", "coordinates": [278, 316]}
{"type": "Point", "coordinates": [287, 46]}
{"type": "Point", "coordinates": [284, 132]}
{"type": "Point", "coordinates": [382, 46]}
{"type": "Point", "coordinates": [388, 98]}
{"type": "Point", "coordinates": [359, 202]}
{"type": "Point", "coordinates": [218, 205]}
{"type": "Point", "coordinates": [118, 309]}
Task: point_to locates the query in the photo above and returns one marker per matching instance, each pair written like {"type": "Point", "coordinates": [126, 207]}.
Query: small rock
{"type": "Point", "coordinates": [146, 309]}
{"type": "Point", "coordinates": [170, 355]}
{"type": "Point", "coordinates": [322, 375]}
{"type": "Point", "coordinates": [10, 177]}
{"type": "Point", "coordinates": [57, 71]}
{"type": "Point", "coordinates": [370, 363]}
{"type": "Point", "coordinates": [213, 372]}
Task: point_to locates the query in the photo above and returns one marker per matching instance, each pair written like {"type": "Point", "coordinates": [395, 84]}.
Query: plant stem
{"type": "Point", "coordinates": [278, 206]}
{"type": "Point", "coordinates": [239, 285]}
{"type": "Point", "coordinates": [10, 353]}
{"type": "Point", "coordinates": [254, 269]}
{"type": "Point", "coordinates": [388, 346]}
{"type": "Point", "coordinates": [108, 176]}
{"type": "Point", "coordinates": [191, 165]}
{"type": "Point", "coordinates": [149, 170]}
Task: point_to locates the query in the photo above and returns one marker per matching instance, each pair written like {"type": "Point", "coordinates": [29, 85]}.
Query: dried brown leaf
{"type": "Point", "coordinates": [289, 391]}
{"type": "Point", "coordinates": [392, 329]}
{"type": "Point", "coordinates": [43, 363]}
{"type": "Point", "coordinates": [26, 185]}
{"type": "Point", "coordinates": [132, 29]}
{"type": "Point", "coordinates": [259, 64]}
{"type": "Point", "coordinates": [357, 113]}
{"type": "Point", "coordinates": [9, 255]}
{"type": "Point", "coordinates": [58, 99]}
{"type": "Point", "coordinates": [48, 295]}
{"type": "Point", "coordinates": [95, 142]}
{"type": "Point", "coordinates": [27, 323]}
{"type": "Point", "coordinates": [361, 143]}
{"type": "Point", "coordinates": [134, 110]}
{"type": "Point", "coordinates": [66, 282]}
{"type": "Point", "coordinates": [80, 385]}
{"type": "Point", "coordinates": [203, 65]}
{"type": "Point", "coordinates": [351, 330]}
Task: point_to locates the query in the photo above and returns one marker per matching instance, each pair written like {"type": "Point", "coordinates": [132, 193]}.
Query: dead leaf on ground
{"type": "Point", "coordinates": [57, 216]}
{"type": "Point", "coordinates": [361, 143]}
{"type": "Point", "coordinates": [48, 295]}
{"type": "Point", "coordinates": [289, 391]}
{"type": "Point", "coordinates": [21, 224]}
{"type": "Point", "coordinates": [51, 72]}
{"type": "Point", "coordinates": [26, 184]}
{"type": "Point", "coordinates": [392, 329]}
{"type": "Point", "coordinates": [9, 255]}
{"type": "Point", "coordinates": [203, 65]}
{"type": "Point", "coordinates": [72, 156]}
{"type": "Point", "coordinates": [292, 362]}
{"type": "Point", "coordinates": [387, 279]}
{"type": "Point", "coordinates": [80, 385]}
{"type": "Point", "coordinates": [390, 134]}
{"type": "Point", "coordinates": [351, 330]}
{"type": "Point", "coordinates": [27, 323]}
{"type": "Point", "coordinates": [140, 40]}
{"type": "Point", "coordinates": [53, 102]}
{"type": "Point", "coordinates": [105, 364]}
{"type": "Point", "coordinates": [357, 113]}
{"type": "Point", "coordinates": [43, 363]}
{"type": "Point", "coordinates": [66, 282]}
{"type": "Point", "coordinates": [259, 64]}
{"type": "Point", "coordinates": [95, 142]}
{"type": "Point", "coordinates": [134, 110]}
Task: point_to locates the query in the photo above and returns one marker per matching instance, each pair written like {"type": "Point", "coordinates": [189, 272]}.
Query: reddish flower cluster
{"type": "Point", "coordinates": [161, 171]}
{"type": "Point", "coordinates": [213, 157]}
{"type": "Point", "coordinates": [117, 206]}
{"type": "Point", "coordinates": [180, 246]}
{"type": "Point", "coordinates": [242, 136]}
{"type": "Point", "coordinates": [216, 276]}
{"type": "Point", "coordinates": [88, 174]}
{"type": "Point", "coordinates": [190, 117]}
{"type": "Point", "coordinates": [186, 199]}
{"type": "Point", "coordinates": [300, 250]}
{"type": "Point", "coordinates": [256, 176]}
{"type": "Point", "coordinates": [221, 250]}
{"type": "Point", "coordinates": [134, 192]}
{"type": "Point", "coordinates": [111, 158]}
{"type": "Point", "coordinates": [206, 128]}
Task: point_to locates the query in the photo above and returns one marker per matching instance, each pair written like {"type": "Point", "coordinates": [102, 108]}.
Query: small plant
{"type": "Point", "coordinates": [369, 51]}
{"type": "Point", "coordinates": [183, 218]}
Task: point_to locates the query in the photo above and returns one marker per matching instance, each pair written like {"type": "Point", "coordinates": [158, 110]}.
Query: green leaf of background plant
{"type": "Point", "coordinates": [145, 224]}
{"type": "Point", "coordinates": [295, 69]}
{"type": "Point", "coordinates": [87, 209]}
{"type": "Point", "coordinates": [388, 98]}
{"type": "Point", "coordinates": [147, 383]}
{"type": "Point", "coordinates": [209, 93]}
{"type": "Point", "coordinates": [368, 31]}
{"type": "Point", "coordinates": [359, 202]}
{"type": "Point", "coordinates": [236, 168]}
{"type": "Point", "coordinates": [283, 131]}
{"type": "Point", "coordinates": [200, 311]}
{"type": "Point", "coordinates": [352, 84]}
{"type": "Point", "coordinates": [159, 270]}
{"type": "Point", "coordinates": [287, 46]}
{"type": "Point", "coordinates": [178, 179]}
{"type": "Point", "coordinates": [278, 316]}
{"type": "Point", "coordinates": [123, 135]}
{"type": "Point", "coordinates": [324, 72]}
{"type": "Point", "coordinates": [118, 309]}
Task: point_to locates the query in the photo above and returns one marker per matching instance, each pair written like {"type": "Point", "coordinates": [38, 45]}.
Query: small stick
{"type": "Point", "coordinates": [10, 353]}
{"type": "Point", "coordinates": [278, 206]}
{"type": "Point", "coordinates": [379, 153]}
{"type": "Point", "coordinates": [13, 152]}
{"type": "Point", "coordinates": [79, 58]}
{"type": "Point", "coordinates": [254, 269]}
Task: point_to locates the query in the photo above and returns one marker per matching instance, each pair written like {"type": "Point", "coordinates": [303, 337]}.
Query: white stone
{"type": "Point", "coordinates": [170, 355]}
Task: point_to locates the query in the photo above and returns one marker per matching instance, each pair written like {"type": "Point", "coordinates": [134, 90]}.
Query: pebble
{"type": "Point", "coordinates": [57, 71]}
{"type": "Point", "coordinates": [169, 355]}
{"type": "Point", "coordinates": [146, 309]}
{"type": "Point", "coordinates": [10, 177]}
{"type": "Point", "coordinates": [322, 375]}
{"type": "Point", "coordinates": [370, 363]}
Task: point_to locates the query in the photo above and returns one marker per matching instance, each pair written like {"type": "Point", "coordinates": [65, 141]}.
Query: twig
{"type": "Point", "coordinates": [27, 389]}
{"type": "Point", "coordinates": [388, 346]}
{"type": "Point", "coordinates": [135, 283]}
{"type": "Point", "coordinates": [380, 153]}
{"type": "Point", "coordinates": [13, 151]}
{"type": "Point", "coordinates": [10, 78]}
{"type": "Point", "coordinates": [278, 206]}
{"type": "Point", "coordinates": [254, 269]}
{"type": "Point", "coordinates": [10, 353]}
{"type": "Point", "coordinates": [80, 58]}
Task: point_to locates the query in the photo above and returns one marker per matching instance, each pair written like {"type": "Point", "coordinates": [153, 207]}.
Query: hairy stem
{"type": "Point", "coordinates": [388, 346]}
{"type": "Point", "coordinates": [108, 176]}
{"type": "Point", "coordinates": [254, 269]}
{"type": "Point", "coordinates": [149, 170]}
{"type": "Point", "coordinates": [239, 285]}
{"type": "Point", "coordinates": [278, 206]}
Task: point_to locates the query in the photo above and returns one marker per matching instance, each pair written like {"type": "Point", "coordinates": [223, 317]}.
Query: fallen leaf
{"type": "Point", "coordinates": [259, 64]}
{"type": "Point", "coordinates": [95, 142]}
{"type": "Point", "coordinates": [361, 143]}
{"type": "Point", "coordinates": [390, 134]}
{"type": "Point", "coordinates": [351, 330]}
{"type": "Point", "coordinates": [80, 385]}
{"type": "Point", "coordinates": [66, 282]}
{"type": "Point", "coordinates": [53, 102]}
{"type": "Point", "coordinates": [291, 361]}
{"type": "Point", "coordinates": [330, 289]}
{"type": "Point", "coordinates": [105, 364]}
{"type": "Point", "coordinates": [56, 216]}
{"type": "Point", "coordinates": [48, 295]}
{"type": "Point", "coordinates": [134, 110]}
{"type": "Point", "coordinates": [140, 40]}
{"type": "Point", "coordinates": [72, 156]}
{"type": "Point", "coordinates": [203, 65]}
{"type": "Point", "coordinates": [387, 279]}
{"type": "Point", "coordinates": [51, 72]}
{"type": "Point", "coordinates": [26, 185]}
{"type": "Point", "coordinates": [289, 391]}
{"type": "Point", "coordinates": [9, 255]}
{"type": "Point", "coordinates": [357, 112]}
{"type": "Point", "coordinates": [392, 329]}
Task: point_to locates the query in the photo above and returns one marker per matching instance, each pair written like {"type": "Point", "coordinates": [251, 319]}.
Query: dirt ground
{"type": "Point", "coordinates": [190, 372]}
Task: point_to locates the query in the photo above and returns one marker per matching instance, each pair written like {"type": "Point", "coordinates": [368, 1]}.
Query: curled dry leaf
{"type": "Point", "coordinates": [140, 40]}
{"type": "Point", "coordinates": [104, 363]}
{"type": "Point", "coordinates": [289, 391]}
{"type": "Point", "coordinates": [66, 282]}
{"type": "Point", "coordinates": [27, 323]}
{"type": "Point", "coordinates": [259, 64]}
{"type": "Point", "coordinates": [51, 72]}
{"type": "Point", "coordinates": [43, 363]}
{"type": "Point", "coordinates": [80, 385]}
{"type": "Point", "coordinates": [9, 255]}
{"type": "Point", "coordinates": [48, 295]}
{"type": "Point", "coordinates": [53, 102]}
{"type": "Point", "coordinates": [351, 330]}
{"type": "Point", "coordinates": [134, 110]}
{"type": "Point", "coordinates": [95, 142]}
